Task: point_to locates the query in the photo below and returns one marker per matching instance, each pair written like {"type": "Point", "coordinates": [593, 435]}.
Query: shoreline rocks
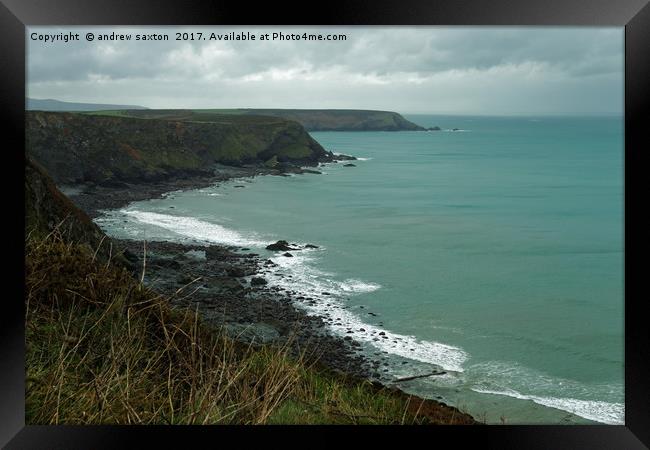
{"type": "Point", "coordinates": [280, 246]}
{"type": "Point", "coordinates": [215, 276]}
{"type": "Point", "coordinates": [258, 314]}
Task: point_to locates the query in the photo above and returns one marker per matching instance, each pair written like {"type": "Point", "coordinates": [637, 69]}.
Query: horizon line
{"type": "Point", "coordinates": [432, 113]}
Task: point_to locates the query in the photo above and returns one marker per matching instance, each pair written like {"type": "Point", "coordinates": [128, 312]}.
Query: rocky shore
{"type": "Point", "coordinates": [225, 283]}
{"type": "Point", "coordinates": [222, 281]}
{"type": "Point", "coordinates": [92, 197]}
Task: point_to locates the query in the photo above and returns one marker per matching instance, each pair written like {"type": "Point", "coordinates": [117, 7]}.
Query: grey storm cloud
{"type": "Point", "coordinates": [478, 70]}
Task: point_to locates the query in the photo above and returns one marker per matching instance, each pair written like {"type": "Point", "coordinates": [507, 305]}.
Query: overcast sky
{"type": "Point", "coordinates": [445, 70]}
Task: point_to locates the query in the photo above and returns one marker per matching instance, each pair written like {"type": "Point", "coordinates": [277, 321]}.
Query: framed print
{"type": "Point", "coordinates": [397, 215]}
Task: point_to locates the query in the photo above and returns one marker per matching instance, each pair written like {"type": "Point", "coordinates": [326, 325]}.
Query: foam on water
{"type": "Point", "coordinates": [325, 296]}
{"type": "Point", "coordinates": [598, 411]}
{"type": "Point", "coordinates": [358, 157]}
{"type": "Point", "coordinates": [300, 275]}
{"type": "Point", "coordinates": [510, 379]}
{"type": "Point", "coordinates": [193, 228]}
{"type": "Point", "coordinates": [328, 301]}
{"type": "Point", "coordinates": [328, 295]}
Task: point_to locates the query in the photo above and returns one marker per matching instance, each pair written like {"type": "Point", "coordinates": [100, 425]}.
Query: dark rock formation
{"type": "Point", "coordinates": [341, 157]}
{"type": "Point", "coordinates": [258, 281]}
{"type": "Point", "coordinates": [280, 246]}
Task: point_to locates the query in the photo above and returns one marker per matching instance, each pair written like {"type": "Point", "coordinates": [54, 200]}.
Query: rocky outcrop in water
{"type": "Point", "coordinates": [280, 246]}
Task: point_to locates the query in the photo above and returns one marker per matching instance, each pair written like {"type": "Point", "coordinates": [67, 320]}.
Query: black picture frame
{"type": "Point", "coordinates": [634, 15]}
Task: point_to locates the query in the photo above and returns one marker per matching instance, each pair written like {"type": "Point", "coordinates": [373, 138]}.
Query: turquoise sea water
{"type": "Point", "coordinates": [494, 252]}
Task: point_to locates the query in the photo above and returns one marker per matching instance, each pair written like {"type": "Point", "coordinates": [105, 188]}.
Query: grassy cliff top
{"type": "Point", "coordinates": [311, 119]}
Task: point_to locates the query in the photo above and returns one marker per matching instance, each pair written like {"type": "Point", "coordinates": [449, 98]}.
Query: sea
{"type": "Point", "coordinates": [489, 252]}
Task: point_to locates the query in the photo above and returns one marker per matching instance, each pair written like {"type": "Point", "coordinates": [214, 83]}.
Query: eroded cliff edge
{"type": "Point", "coordinates": [83, 148]}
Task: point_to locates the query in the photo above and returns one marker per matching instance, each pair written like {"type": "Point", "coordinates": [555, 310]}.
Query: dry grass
{"type": "Point", "coordinates": [104, 349]}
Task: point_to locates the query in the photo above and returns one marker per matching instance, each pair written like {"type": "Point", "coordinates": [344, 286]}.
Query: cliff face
{"type": "Point", "coordinates": [46, 209]}
{"type": "Point", "coordinates": [103, 148]}
{"type": "Point", "coordinates": [311, 119]}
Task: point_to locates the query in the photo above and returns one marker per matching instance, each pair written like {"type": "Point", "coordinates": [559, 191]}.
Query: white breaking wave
{"type": "Point", "coordinates": [598, 411]}
{"type": "Point", "coordinates": [509, 379]}
{"type": "Point", "coordinates": [327, 301]}
{"type": "Point", "coordinates": [328, 295]}
{"type": "Point", "coordinates": [358, 157]}
{"type": "Point", "coordinates": [194, 228]}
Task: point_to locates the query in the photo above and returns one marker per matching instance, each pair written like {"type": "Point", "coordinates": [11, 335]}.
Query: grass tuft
{"type": "Point", "coordinates": [102, 348]}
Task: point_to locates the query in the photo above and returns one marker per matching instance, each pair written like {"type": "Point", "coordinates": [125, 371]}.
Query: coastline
{"type": "Point", "coordinates": [93, 198]}
{"type": "Point", "coordinates": [216, 280]}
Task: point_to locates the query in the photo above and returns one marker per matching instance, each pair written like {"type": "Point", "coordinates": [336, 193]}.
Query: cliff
{"type": "Point", "coordinates": [342, 120]}
{"type": "Point", "coordinates": [76, 148]}
{"type": "Point", "coordinates": [311, 119]}
{"type": "Point", "coordinates": [47, 209]}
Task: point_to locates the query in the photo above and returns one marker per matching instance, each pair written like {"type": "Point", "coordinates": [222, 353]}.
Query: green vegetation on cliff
{"type": "Point", "coordinates": [110, 148]}
{"type": "Point", "coordinates": [311, 119]}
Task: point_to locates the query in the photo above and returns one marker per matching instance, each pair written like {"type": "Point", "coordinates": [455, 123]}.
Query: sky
{"type": "Point", "coordinates": [428, 70]}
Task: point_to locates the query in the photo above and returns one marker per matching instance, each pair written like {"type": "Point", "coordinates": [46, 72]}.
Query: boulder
{"type": "Point", "coordinates": [280, 246]}
{"type": "Point", "coordinates": [258, 281]}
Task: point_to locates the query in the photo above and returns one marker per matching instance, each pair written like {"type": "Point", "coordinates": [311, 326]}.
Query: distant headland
{"type": "Point", "coordinates": [310, 119]}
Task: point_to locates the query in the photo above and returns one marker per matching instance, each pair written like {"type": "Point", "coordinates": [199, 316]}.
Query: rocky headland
{"type": "Point", "coordinates": [310, 119]}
